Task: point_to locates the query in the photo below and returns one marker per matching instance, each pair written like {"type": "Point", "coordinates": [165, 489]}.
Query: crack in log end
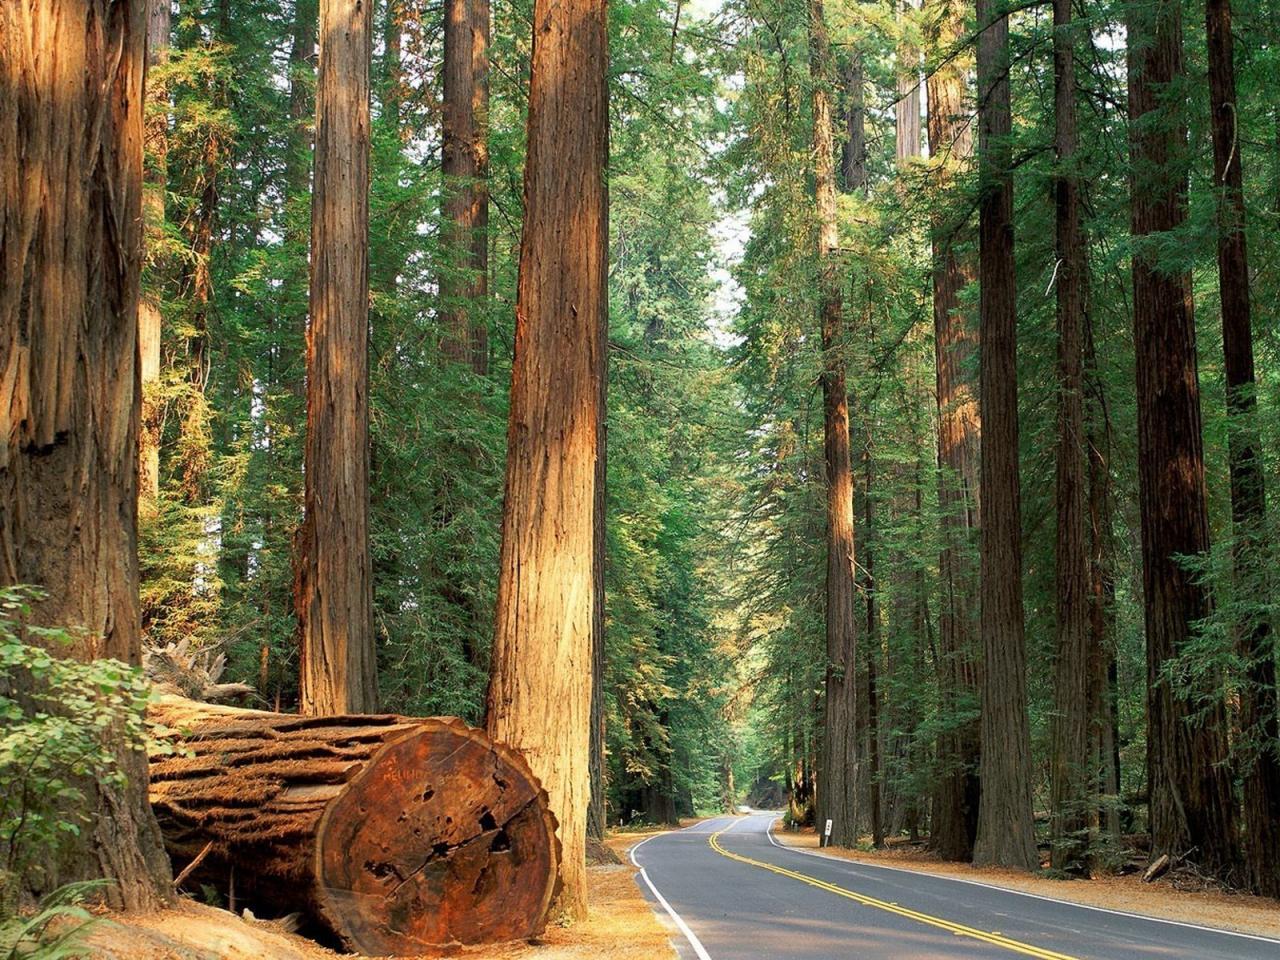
{"type": "Point", "coordinates": [501, 843]}
{"type": "Point", "coordinates": [487, 822]}
{"type": "Point", "coordinates": [427, 794]}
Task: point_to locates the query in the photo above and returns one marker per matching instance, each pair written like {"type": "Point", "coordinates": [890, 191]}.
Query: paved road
{"type": "Point", "coordinates": [731, 893]}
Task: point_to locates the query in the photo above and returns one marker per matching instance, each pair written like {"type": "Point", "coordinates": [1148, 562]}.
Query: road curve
{"type": "Point", "coordinates": [730, 892]}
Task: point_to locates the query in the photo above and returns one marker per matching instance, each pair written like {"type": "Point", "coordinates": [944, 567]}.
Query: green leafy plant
{"type": "Point", "coordinates": [61, 721]}
{"type": "Point", "coordinates": [55, 931]}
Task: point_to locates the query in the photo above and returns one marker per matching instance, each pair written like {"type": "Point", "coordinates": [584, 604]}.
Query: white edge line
{"type": "Point", "coordinates": [699, 950]}
{"type": "Point", "coordinates": [1019, 893]}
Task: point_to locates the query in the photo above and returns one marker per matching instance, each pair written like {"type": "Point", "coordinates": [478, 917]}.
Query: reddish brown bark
{"type": "Point", "coordinates": [1103, 706]}
{"type": "Point", "coordinates": [837, 783]}
{"type": "Point", "coordinates": [71, 138]}
{"type": "Point", "coordinates": [871, 738]}
{"type": "Point", "coordinates": [907, 107]}
{"type": "Point", "coordinates": [1070, 766]}
{"type": "Point", "coordinates": [402, 836]}
{"type": "Point", "coordinates": [333, 592]}
{"type": "Point", "coordinates": [597, 814]}
{"type": "Point", "coordinates": [540, 692]}
{"type": "Point", "coordinates": [955, 802]}
{"type": "Point", "coordinates": [1259, 714]}
{"type": "Point", "coordinates": [1006, 835]}
{"type": "Point", "coordinates": [1191, 803]}
{"type": "Point", "coordinates": [853, 151]}
{"type": "Point", "coordinates": [465, 164]}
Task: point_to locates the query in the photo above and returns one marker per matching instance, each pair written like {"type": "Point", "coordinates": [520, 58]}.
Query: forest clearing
{"type": "Point", "coordinates": [816, 449]}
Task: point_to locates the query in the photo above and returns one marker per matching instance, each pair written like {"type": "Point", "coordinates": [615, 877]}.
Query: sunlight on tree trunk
{"type": "Point", "coordinates": [71, 78]}
{"type": "Point", "coordinates": [540, 691]}
{"type": "Point", "coordinates": [837, 783]}
{"type": "Point", "coordinates": [334, 592]}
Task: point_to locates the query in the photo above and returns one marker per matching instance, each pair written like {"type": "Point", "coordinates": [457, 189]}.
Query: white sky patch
{"type": "Point", "coordinates": [729, 234]}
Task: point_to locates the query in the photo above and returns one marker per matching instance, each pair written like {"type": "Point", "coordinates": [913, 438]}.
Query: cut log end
{"type": "Point", "coordinates": [444, 841]}
{"type": "Point", "coordinates": [402, 836]}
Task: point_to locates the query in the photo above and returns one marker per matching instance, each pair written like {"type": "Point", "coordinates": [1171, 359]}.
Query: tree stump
{"type": "Point", "coordinates": [400, 835]}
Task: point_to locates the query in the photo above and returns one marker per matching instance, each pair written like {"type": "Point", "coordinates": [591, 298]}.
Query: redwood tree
{"type": "Point", "coordinates": [1259, 717]}
{"type": "Point", "coordinates": [955, 799]}
{"type": "Point", "coordinates": [71, 186]}
{"type": "Point", "coordinates": [1006, 835]}
{"type": "Point", "coordinates": [1070, 759]}
{"type": "Point", "coordinates": [465, 164]}
{"type": "Point", "coordinates": [334, 593]}
{"type": "Point", "coordinates": [1191, 803]}
{"type": "Point", "coordinates": [837, 789]}
{"type": "Point", "coordinates": [540, 691]}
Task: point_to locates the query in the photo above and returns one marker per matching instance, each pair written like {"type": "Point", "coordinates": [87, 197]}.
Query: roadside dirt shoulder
{"type": "Point", "coordinates": [1227, 911]}
{"type": "Point", "coordinates": [620, 926]}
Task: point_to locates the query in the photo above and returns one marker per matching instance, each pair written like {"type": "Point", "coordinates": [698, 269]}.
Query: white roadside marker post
{"type": "Point", "coordinates": [826, 835]}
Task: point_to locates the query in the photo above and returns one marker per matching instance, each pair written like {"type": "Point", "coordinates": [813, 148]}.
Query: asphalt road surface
{"type": "Point", "coordinates": [730, 892]}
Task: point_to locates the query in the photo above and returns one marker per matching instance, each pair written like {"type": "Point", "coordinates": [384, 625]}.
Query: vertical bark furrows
{"type": "Point", "coordinates": [1005, 828]}
{"type": "Point", "coordinates": [597, 817]}
{"type": "Point", "coordinates": [837, 788]}
{"type": "Point", "coordinates": [1103, 709]}
{"type": "Point", "coordinates": [539, 697]}
{"type": "Point", "coordinates": [1191, 805]}
{"type": "Point", "coordinates": [955, 814]}
{"type": "Point", "coordinates": [853, 152]}
{"type": "Point", "coordinates": [71, 135]}
{"type": "Point", "coordinates": [1259, 719]}
{"type": "Point", "coordinates": [874, 792]}
{"type": "Point", "coordinates": [1070, 765]}
{"type": "Point", "coordinates": [907, 108]}
{"type": "Point", "coordinates": [338, 671]}
{"type": "Point", "coordinates": [465, 162]}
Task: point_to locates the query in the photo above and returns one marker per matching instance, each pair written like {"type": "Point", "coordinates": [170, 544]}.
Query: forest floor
{"type": "Point", "coordinates": [620, 926]}
{"type": "Point", "coordinates": [1163, 898]}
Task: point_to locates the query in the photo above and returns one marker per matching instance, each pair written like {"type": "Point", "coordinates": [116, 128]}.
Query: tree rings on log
{"type": "Point", "coordinates": [401, 836]}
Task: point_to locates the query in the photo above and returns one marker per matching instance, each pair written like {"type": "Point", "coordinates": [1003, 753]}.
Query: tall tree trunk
{"type": "Point", "coordinates": [1103, 708]}
{"type": "Point", "coordinates": [1070, 766]}
{"type": "Point", "coordinates": [1006, 834]}
{"type": "Point", "coordinates": [149, 320]}
{"type": "Point", "coordinates": [302, 65]}
{"type": "Point", "coordinates": [465, 163]}
{"type": "Point", "coordinates": [540, 692]}
{"type": "Point", "coordinates": [1191, 803]}
{"type": "Point", "coordinates": [870, 588]}
{"type": "Point", "coordinates": [907, 107]}
{"type": "Point", "coordinates": [597, 814]}
{"type": "Point", "coordinates": [853, 151]}
{"type": "Point", "coordinates": [392, 68]}
{"type": "Point", "coordinates": [334, 592]}
{"type": "Point", "coordinates": [71, 137]}
{"type": "Point", "coordinates": [1259, 719]}
{"type": "Point", "coordinates": [955, 803]}
{"type": "Point", "coordinates": [837, 788]}
{"type": "Point", "coordinates": [297, 176]}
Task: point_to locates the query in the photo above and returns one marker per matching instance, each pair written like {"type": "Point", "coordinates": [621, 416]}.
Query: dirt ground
{"type": "Point", "coordinates": [620, 926]}
{"type": "Point", "coordinates": [1228, 911]}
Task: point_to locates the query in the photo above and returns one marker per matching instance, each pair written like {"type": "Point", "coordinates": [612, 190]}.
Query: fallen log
{"type": "Point", "coordinates": [401, 836]}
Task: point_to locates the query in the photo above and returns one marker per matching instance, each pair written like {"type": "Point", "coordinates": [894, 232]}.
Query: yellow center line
{"type": "Point", "coordinates": [959, 929]}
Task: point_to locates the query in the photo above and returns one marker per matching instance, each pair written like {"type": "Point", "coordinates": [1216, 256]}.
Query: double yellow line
{"type": "Point", "coordinates": [959, 929]}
